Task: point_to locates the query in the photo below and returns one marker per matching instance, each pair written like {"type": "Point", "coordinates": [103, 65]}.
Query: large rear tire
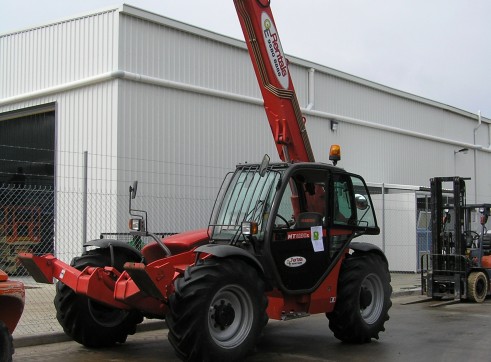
{"type": "Point", "coordinates": [88, 322]}
{"type": "Point", "coordinates": [363, 299]}
{"type": "Point", "coordinates": [6, 344]}
{"type": "Point", "coordinates": [477, 285]}
{"type": "Point", "coordinates": [217, 312]}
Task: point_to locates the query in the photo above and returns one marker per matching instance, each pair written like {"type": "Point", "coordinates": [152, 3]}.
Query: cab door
{"type": "Point", "coordinates": [319, 212]}
{"type": "Point", "coordinates": [300, 244]}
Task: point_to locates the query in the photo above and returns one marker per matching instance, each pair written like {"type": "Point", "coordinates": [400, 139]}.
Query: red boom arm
{"type": "Point", "coordinates": [271, 67]}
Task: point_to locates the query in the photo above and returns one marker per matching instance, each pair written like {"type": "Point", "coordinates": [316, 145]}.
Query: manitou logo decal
{"type": "Point", "coordinates": [295, 261]}
{"type": "Point", "coordinates": [275, 51]}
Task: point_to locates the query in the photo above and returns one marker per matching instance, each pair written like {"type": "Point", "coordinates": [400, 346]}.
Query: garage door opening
{"type": "Point", "coordinates": [27, 149]}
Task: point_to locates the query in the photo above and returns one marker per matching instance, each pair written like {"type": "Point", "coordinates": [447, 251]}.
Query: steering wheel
{"type": "Point", "coordinates": [470, 238]}
{"type": "Point", "coordinates": [474, 235]}
{"type": "Point", "coordinates": [287, 223]}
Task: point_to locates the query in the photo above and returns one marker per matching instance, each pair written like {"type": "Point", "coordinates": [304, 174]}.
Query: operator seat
{"type": "Point", "coordinates": [486, 244]}
{"type": "Point", "coordinates": [308, 219]}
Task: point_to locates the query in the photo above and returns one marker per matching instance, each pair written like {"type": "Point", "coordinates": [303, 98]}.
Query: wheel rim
{"type": "Point", "coordinates": [371, 298]}
{"type": "Point", "coordinates": [230, 316]}
{"type": "Point", "coordinates": [106, 316]}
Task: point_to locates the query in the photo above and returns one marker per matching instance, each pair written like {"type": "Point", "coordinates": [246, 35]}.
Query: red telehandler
{"type": "Point", "coordinates": [279, 245]}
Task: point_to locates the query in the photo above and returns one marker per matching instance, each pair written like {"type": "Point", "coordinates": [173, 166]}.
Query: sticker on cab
{"type": "Point", "coordinates": [295, 261]}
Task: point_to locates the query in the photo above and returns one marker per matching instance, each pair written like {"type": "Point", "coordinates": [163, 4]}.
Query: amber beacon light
{"type": "Point", "coordinates": [335, 154]}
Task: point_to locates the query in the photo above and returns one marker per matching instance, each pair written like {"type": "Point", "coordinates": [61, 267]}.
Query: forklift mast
{"type": "Point", "coordinates": [443, 240]}
{"type": "Point", "coordinates": [447, 276]}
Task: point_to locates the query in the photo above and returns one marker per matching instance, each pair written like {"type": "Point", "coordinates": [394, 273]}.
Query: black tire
{"type": "Point", "coordinates": [88, 322]}
{"type": "Point", "coordinates": [477, 287]}
{"type": "Point", "coordinates": [217, 312]}
{"type": "Point", "coordinates": [6, 344]}
{"type": "Point", "coordinates": [363, 299]}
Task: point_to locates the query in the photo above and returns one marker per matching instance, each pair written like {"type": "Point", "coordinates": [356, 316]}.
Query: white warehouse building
{"type": "Point", "coordinates": [124, 94]}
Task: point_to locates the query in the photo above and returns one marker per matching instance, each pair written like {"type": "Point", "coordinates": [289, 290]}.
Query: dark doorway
{"type": "Point", "coordinates": [27, 159]}
{"type": "Point", "coordinates": [27, 146]}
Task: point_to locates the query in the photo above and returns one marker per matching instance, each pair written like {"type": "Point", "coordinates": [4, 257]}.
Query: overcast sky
{"type": "Point", "coordinates": [437, 49]}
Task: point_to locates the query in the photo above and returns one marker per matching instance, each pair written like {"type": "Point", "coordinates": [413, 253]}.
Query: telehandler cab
{"type": "Point", "coordinates": [279, 245]}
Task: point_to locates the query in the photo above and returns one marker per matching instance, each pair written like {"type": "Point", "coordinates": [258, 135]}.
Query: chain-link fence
{"type": "Point", "coordinates": [89, 199]}
{"type": "Point", "coordinates": [84, 198]}
{"type": "Point", "coordinates": [26, 223]}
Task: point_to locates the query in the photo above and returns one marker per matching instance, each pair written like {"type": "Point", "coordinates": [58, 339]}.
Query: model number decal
{"type": "Point", "coordinates": [295, 261]}
{"type": "Point", "coordinates": [299, 235]}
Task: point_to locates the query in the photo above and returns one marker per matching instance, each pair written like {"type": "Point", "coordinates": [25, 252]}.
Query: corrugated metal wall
{"type": "Point", "coordinates": [337, 95]}
{"type": "Point", "coordinates": [160, 51]}
{"type": "Point", "coordinates": [187, 134]}
{"type": "Point", "coordinates": [220, 63]}
{"type": "Point", "coordinates": [59, 53]}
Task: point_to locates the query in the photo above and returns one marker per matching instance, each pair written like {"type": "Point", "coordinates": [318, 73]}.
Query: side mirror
{"type": "Point", "coordinates": [361, 202]}
{"type": "Point", "coordinates": [133, 189]}
{"type": "Point", "coordinates": [137, 224]}
{"type": "Point", "coordinates": [264, 165]}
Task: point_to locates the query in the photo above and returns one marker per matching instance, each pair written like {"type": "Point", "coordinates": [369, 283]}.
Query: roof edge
{"type": "Point", "coordinates": [161, 19]}
{"type": "Point", "coordinates": [82, 15]}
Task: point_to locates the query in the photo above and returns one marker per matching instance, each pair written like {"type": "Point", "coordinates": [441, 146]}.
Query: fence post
{"type": "Point", "coordinates": [84, 196]}
{"type": "Point", "coordinates": [383, 217]}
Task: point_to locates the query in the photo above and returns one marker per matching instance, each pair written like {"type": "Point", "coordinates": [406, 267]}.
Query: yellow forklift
{"type": "Point", "coordinates": [459, 266]}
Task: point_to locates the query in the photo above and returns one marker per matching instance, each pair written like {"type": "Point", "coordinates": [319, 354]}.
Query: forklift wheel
{"type": "Point", "coordinates": [477, 285]}
{"type": "Point", "coordinates": [6, 346]}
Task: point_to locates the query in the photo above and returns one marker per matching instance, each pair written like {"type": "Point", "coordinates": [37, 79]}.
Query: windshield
{"type": "Point", "coordinates": [247, 197]}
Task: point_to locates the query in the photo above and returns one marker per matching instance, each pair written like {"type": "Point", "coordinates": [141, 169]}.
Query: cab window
{"type": "Point", "coordinates": [303, 203]}
{"type": "Point", "coordinates": [343, 213]}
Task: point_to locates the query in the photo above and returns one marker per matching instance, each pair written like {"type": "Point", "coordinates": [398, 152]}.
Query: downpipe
{"type": "Point", "coordinates": [479, 122]}
{"type": "Point", "coordinates": [311, 90]}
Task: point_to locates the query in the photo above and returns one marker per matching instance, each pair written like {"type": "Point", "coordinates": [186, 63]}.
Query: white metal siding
{"type": "Point", "coordinates": [160, 51]}
{"type": "Point", "coordinates": [192, 141]}
{"type": "Point", "coordinates": [58, 53]}
{"type": "Point", "coordinates": [384, 157]}
{"type": "Point", "coordinates": [300, 78]}
{"type": "Point", "coordinates": [345, 97]}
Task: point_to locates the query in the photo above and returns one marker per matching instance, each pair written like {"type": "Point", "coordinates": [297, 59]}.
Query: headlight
{"type": "Point", "coordinates": [249, 228]}
{"type": "Point", "coordinates": [136, 224]}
